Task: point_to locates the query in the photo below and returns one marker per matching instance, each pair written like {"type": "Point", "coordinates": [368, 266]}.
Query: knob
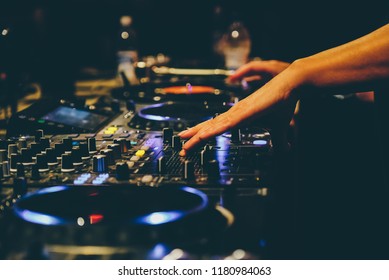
{"type": "Point", "coordinates": [213, 170]}
{"type": "Point", "coordinates": [122, 171]}
{"type": "Point", "coordinates": [76, 156]}
{"type": "Point", "coordinates": [130, 105]}
{"type": "Point", "coordinates": [176, 143]}
{"type": "Point", "coordinates": [117, 154]}
{"type": "Point", "coordinates": [124, 144]}
{"type": "Point", "coordinates": [188, 170]}
{"type": "Point", "coordinates": [12, 149]}
{"type": "Point", "coordinates": [51, 156]}
{"type": "Point", "coordinates": [92, 145]}
{"type": "Point", "coordinates": [3, 156]}
{"type": "Point", "coordinates": [35, 148]}
{"type": "Point", "coordinates": [67, 163]}
{"type": "Point", "coordinates": [167, 134]}
{"type": "Point", "coordinates": [6, 169]}
{"type": "Point", "coordinates": [84, 151]}
{"type": "Point", "coordinates": [15, 158]}
{"type": "Point", "coordinates": [45, 143]}
{"type": "Point", "coordinates": [204, 158]}
{"type": "Point", "coordinates": [35, 175]}
{"type": "Point", "coordinates": [20, 186]}
{"type": "Point", "coordinates": [22, 143]}
{"type": "Point", "coordinates": [25, 155]}
{"type": "Point", "coordinates": [20, 170]}
{"type": "Point", "coordinates": [67, 143]}
{"type": "Point", "coordinates": [59, 150]}
{"type": "Point", "coordinates": [100, 164]}
{"type": "Point", "coordinates": [162, 164]}
{"type": "Point", "coordinates": [38, 135]}
{"type": "Point", "coordinates": [109, 156]}
{"type": "Point", "coordinates": [41, 161]}
{"type": "Point", "coordinates": [236, 136]}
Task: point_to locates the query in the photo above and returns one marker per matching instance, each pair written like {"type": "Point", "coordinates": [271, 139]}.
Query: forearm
{"type": "Point", "coordinates": [361, 63]}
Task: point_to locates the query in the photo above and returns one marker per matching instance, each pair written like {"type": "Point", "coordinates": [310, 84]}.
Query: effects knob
{"type": "Point", "coordinates": [14, 159]}
{"type": "Point", "coordinates": [117, 154]}
{"type": "Point", "coordinates": [45, 143]}
{"type": "Point", "coordinates": [76, 156]}
{"type": "Point", "coordinates": [25, 156]}
{"type": "Point", "coordinates": [59, 150]}
{"type": "Point", "coordinates": [100, 164]}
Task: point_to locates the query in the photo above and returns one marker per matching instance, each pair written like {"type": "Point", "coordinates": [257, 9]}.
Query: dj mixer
{"type": "Point", "coordinates": [105, 181]}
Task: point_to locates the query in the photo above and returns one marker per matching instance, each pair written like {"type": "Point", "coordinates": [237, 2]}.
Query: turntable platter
{"type": "Point", "coordinates": [176, 115]}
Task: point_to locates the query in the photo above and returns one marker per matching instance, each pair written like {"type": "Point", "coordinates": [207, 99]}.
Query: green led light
{"type": "Point", "coordinates": [41, 121]}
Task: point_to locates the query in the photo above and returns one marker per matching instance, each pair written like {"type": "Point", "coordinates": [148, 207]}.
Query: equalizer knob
{"type": "Point", "coordinates": [35, 148]}
{"type": "Point", "coordinates": [59, 150]}
{"type": "Point", "coordinates": [25, 155]}
{"type": "Point", "coordinates": [51, 156]}
{"type": "Point", "coordinates": [12, 149]}
{"type": "Point", "coordinates": [117, 154]}
{"type": "Point", "coordinates": [20, 172]}
{"type": "Point", "coordinates": [188, 170]}
{"type": "Point", "coordinates": [100, 164]}
{"type": "Point", "coordinates": [3, 156]}
{"type": "Point", "coordinates": [167, 134]}
{"type": "Point", "coordinates": [67, 144]}
{"type": "Point", "coordinates": [124, 144]}
{"type": "Point", "coordinates": [15, 158]}
{"type": "Point", "coordinates": [76, 156]}
{"type": "Point", "coordinates": [176, 143]}
{"type": "Point", "coordinates": [41, 161]}
{"type": "Point", "coordinates": [92, 145]}
{"type": "Point", "coordinates": [110, 159]}
{"type": "Point", "coordinates": [22, 143]}
{"type": "Point", "coordinates": [38, 134]}
{"type": "Point", "coordinates": [6, 169]}
{"type": "Point", "coordinates": [35, 175]}
{"type": "Point", "coordinates": [67, 163]}
{"type": "Point", "coordinates": [122, 171]}
{"type": "Point", "coordinates": [84, 151]}
{"type": "Point", "coordinates": [45, 143]}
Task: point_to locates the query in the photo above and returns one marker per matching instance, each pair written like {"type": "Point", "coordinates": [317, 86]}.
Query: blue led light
{"type": "Point", "coordinates": [52, 189]}
{"type": "Point", "coordinates": [38, 218]}
{"type": "Point", "coordinates": [158, 218]}
{"type": "Point", "coordinates": [260, 142]}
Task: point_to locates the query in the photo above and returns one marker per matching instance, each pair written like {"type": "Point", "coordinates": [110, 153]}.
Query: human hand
{"type": "Point", "coordinates": [262, 70]}
{"type": "Point", "coordinates": [274, 100]}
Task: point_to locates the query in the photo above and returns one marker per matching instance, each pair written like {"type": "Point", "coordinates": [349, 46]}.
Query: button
{"type": "Point", "coordinates": [147, 179]}
{"type": "Point", "coordinates": [140, 153]}
{"type": "Point", "coordinates": [134, 158]}
{"type": "Point", "coordinates": [145, 148]}
{"type": "Point", "coordinates": [130, 164]}
{"type": "Point", "coordinates": [113, 129]}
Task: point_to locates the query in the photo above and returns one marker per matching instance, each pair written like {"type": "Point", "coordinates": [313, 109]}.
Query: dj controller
{"type": "Point", "coordinates": [105, 181]}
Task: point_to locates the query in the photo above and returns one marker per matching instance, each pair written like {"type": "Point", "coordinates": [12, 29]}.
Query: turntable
{"type": "Point", "coordinates": [175, 115]}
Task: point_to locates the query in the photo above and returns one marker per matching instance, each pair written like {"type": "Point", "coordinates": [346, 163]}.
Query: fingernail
{"type": "Point", "coordinates": [182, 132]}
{"type": "Point", "coordinates": [182, 153]}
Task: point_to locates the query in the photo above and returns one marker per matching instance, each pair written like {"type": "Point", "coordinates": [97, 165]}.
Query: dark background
{"type": "Point", "coordinates": [335, 178]}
